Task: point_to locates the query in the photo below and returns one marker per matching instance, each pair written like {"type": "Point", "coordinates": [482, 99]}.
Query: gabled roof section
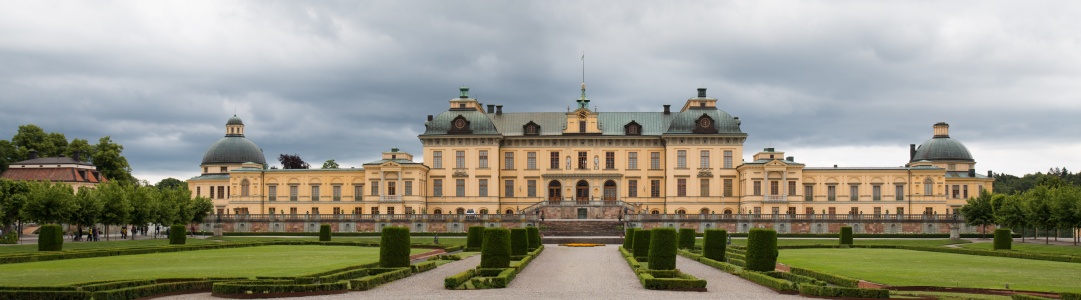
{"type": "Point", "coordinates": [478, 123]}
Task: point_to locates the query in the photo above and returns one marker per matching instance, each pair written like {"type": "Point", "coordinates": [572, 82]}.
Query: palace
{"type": "Point", "coordinates": [587, 164]}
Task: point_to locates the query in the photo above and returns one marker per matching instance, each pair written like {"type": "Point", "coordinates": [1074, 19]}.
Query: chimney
{"type": "Point", "coordinates": [33, 154]}
{"type": "Point", "coordinates": [972, 173]}
{"type": "Point", "coordinates": [667, 109]}
{"type": "Point", "coordinates": [701, 92]}
{"type": "Point", "coordinates": [498, 109]}
{"type": "Point", "coordinates": [491, 108]}
{"type": "Point", "coordinates": [790, 158]}
{"type": "Point", "coordinates": [430, 118]}
{"type": "Point", "coordinates": [834, 166]}
{"type": "Point", "coordinates": [989, 174]}
{"type": "Point", "coordinates": [75, 155]}
{"type": "Point", "coordinates": [911, 151]}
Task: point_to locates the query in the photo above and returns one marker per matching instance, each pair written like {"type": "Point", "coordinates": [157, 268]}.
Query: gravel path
{"type": "Point", "coordinates": [561, 273]}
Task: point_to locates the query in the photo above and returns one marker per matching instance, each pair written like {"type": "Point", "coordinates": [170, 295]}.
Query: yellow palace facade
{"type": "Point", "coordinates": [480, 160]}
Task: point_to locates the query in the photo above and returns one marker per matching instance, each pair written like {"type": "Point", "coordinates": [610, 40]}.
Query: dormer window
{"type": "Point", "coordinates": [460, 125]}
{"type": "Point", "coordinates": [632, 128]}
{"type": "Point", "coordinates": [704, 124]}
{"type": "Point", "coordinates": [531, 129]}
{"type": "Point", "coordinates": [461, 105]}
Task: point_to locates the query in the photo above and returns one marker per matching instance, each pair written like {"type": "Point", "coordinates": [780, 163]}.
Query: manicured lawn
{"type": "Point", "coordinates": [944, 296]}
{"type": "Point", "coordinates": [69, 245]}
{"type": "Point", "coordinates": [235, 262]}
{"type": "Point", "coordinates": [1031, 247]}
{"type": "Point", "coordinates": [456, 240]}
{"type": "Point", "coordinates": [921, 268]}
{"type": "Point", "coordinates": [899, 242]}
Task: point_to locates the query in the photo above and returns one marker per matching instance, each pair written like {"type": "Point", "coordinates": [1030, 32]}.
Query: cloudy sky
{"type": "Point", "coordinates": [838, 82]}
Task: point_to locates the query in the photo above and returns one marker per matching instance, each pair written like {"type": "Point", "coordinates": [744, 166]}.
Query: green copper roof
{"type": "Point", "coordinates": [686, 121]}
{"type": "Point", "coordinates": [479, 123]}
{"type": "Point", "coordinates": [233, 150]}
{"type": "Point", "coordinates": [942, 148]}
{"type": "Point", "coordinates": [234, 121]}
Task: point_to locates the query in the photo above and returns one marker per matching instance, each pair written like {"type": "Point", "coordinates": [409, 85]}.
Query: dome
{"type": "Point", "coordinates": [942, 148]}
{"type": "Point", "coordinates": [688, 121]}
{"type": "Point", "coordinates": [233, 150]}
{"type": "Point", "coordinates": [234, 121]}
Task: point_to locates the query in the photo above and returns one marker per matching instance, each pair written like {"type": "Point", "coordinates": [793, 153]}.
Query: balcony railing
{"type": "Point", "coordinates": [776, 198]}
{"type": "Point", "coordinates": [950, 218]}
{"type": "Point", "coordinates": [390, 198]}
{"type": "Point", "coordinates": [370, 218]}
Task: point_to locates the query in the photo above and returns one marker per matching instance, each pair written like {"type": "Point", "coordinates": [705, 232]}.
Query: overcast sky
{"type": "Point", "coordinates": [846, 83]}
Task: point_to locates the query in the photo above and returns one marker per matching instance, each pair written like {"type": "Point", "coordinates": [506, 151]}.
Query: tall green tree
{"type": "Point", "coordinates": [31, 137]}
{"type": "Point", "coordinates": [49, 203]}
{"type": "Point", "coordinates": [8, 155]}
{"type": "Point", "coordinates": [13, 197]}
{"type": "Point", "coordinates": [330, 164]}
{"type": "Point", "coordinates": [1038, 209]}
{"type": "Point", "coordinates": [82, 147]}
{"type": "Point", "coordinates": [115, 201]}
{"type": "Point", "coordinates": [201, 208]}
{"type": "Point", "coordinates": [88, 208]}
{"type": "Point", "coordinates": [144, 204]}
{"type": "Point", "coordinates": [1011, 213]}
{"type": "Point", "coordinates": [979, 211]}
{"type": "Point", "coordinates": [169, 183]}
{"type": "Point", "coordinates": [109, 160]}
{"type": "Point", "coordinates": [1064, 202]}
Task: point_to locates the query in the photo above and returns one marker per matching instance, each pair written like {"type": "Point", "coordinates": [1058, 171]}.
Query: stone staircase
{"type": "Point", "coordinates": [581, 231]}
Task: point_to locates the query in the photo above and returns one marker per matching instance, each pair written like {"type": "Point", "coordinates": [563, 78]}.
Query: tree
{"type": "Point", "coordinates": [31, 137]}
{"type": "Point", "coordinates": [116, 204]}
{"type": "Point", "coordinates": [330, 164]}
{"type": "Point", "coordinates": [978, 211]}
{"type": "Point", "coordinates": [13, 197]}
{"type": "Point", "coordinates": [1064, 202]}
{"type": "Point", "coordinates": [82, 147]}
{"type": "Point", "coordinates": [1011, 213]}
{"type": "Point", "coordinates": [49, 203]}
{"type": "Point", "coordinates": [8, 155]}
{"type": "Point", "coordinates": [88, 208]}
{"type": "Point", "coordinates": [201, 208]}
{"type": "Point", "coordinates": [170, 182]}
{"type": "Point", "coordinates": [144, 205]}
{"type": "Point", "coordinates": [107, 157]}
{"type": "Point", "coordinates": [1038, 210]}
{"type": "Point", "coordinates": [292, 162]}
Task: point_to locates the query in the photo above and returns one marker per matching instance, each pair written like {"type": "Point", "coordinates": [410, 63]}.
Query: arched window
{"type": "Point", "coordinates": [681, 211]}
{"type": "Point", "coordinates": [655, 212]}
{"type": "Point", "coordinates": [437, 211]}
{"type": "Point", "coordinates": [928, 187]}
{"type": "Point", "coordinates": [244, 186]}
{"type": "Point", "coordinates": [510, 211]}
{"type": "Point", "coordinates": [704, 211]}
{"type": "Point", "coordinates": [531, 128]}
{"type": "Point", "coordinates": [728, 211]}
{"type": "Point", "coordinates": [484, 211]}
{"type": "Point", "coordinates": [461, 211]}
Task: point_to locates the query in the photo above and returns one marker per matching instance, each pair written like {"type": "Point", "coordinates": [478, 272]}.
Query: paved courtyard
{"type": "Point", "coordinates": [561, 273]}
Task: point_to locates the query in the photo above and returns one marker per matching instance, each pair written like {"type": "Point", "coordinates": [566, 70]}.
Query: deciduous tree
{"type": "Point", "coordinates": [109, 160]}
{"type": "Point", "coordinates": [292, 162]}
{"type": "Point", "coordinates": [330, 164]}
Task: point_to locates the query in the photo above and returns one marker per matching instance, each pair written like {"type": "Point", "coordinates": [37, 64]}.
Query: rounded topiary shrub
{"type": "Point", "coordinates": [534, 237]}
{"type": "Point", "coordinates": [495, 251]}
{"type": "Point", "coordinates": [846, 235]}
{"type": "Point", "coordinates": [628, 239]}
{"type": "Point", "coordinates": [686, 238]}
{"type": "Point", "coordinates": [50, 238]}
{"type": "Point", "coordinates": [761, 250]}
{"type": "Point", "coordinates": [178, 235]}
{"type": "Point", "coordinates": [1003, 239]}
{"type": "Point", "coordinates": [641, 243]}
{"type": "Point", "coordinates": [394, 247]}
{"type": "Point", "coordinates": [662, 248]}
{"type": "Point", "coordinates": [714, 244]}
{"type": "Point", "coordinates": [475, 238]}
{"type": "Point", "coordinates": [519, 241]}
{"type": "Point", "coordinates": [324, 233]}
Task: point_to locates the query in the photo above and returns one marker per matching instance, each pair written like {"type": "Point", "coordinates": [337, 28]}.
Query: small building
{"type": "Point", "coordinates": [68, 170]}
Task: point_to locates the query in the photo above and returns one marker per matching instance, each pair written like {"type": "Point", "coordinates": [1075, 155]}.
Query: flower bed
{"type": "Point", "coordinates": [581, 245]}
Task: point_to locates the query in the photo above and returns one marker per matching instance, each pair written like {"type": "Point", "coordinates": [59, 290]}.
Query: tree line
{"type": "Point", "coordinates": [1046, 202]}
{"type": "Point", "coordinates": [106, 154]}
{"type": "Point", "coordinates": [110, 203]}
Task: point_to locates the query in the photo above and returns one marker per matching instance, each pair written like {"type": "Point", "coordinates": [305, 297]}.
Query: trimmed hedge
{"type": "Point", "coordinates": [662, 248]}
{"type": "Point", "coordinates": [178, 235]}
{"type": "Point", "coordinates": [380, 276]}
{"type": "Point", "coordinates": [723, 266]}
{"type": "Point", "coordinates": [664, 280]}
{"type": "Point", "coordinates": [266, 287]}
{"type": "Point", "coordinates": [776, 284]}
{"type": "Point", "coordinates": [44, 295]}
{"type": "Point", "coordinates": [534, 237]}
{"type": "Point", "coordinates": [1003, 240]}
{"type": "Point", "coordinates": [1027, 297]}
{"type": "Point", "coordinates": [846, 235]}
{"type": "Point", "coordinates": [1070, 296]}
{"type": "Point", "coordinates": [361, 234]}
{"type": "Point", "coordinates": [144, 291]}
{"type": "Point", "coordinates": [714, 244]}
{"type": "Point", "coordinates": [394, 247]}
{"type": "Point", "coordinates": [475, 238]}
{"type": "Point", "coordinates": [50, 238]}
{"type": "Point", "coordinates": [628, 239]}
{"type": "Point", "coordinates": [324, 233]}
{"type": "Point", "coordinates": [455, 280]}
{"type": "Point", "coordinates": [686, 238]}
{"type": "Point", "coordinates": [830, 278]}
{"type": "Point", "coordinates": [9, 238]}
{"type": "Point", "coordinates": [832, 291]}
{"type": "Point", "coordinates": [797, 279]}
{"type": "Point", "coordinates": [1011, 254]}
{"type": "Point", "coordinates": [496, 249]}
{"type": "Point", "coordinates": [761, 250]}
{"type": "Point", "coordinates": [641, 243]}
{"type": "Point", "coordinates": [519, 241]}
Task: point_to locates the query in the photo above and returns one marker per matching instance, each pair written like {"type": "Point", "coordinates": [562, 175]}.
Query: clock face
{"type": "Point", "coordinates": [582, 114]}
{"type": "Point", "coordinates": [704, 123]}
{"type": "Point", "coordinates": [459, 123]}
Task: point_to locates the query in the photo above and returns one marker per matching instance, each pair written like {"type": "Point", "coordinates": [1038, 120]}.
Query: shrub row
{"type": "Point", "coordinates": [628, 238]}
{"type": "Point", "coordinates": [475, 238]}
{"type": "Point", "coordinates": [832, 291]}
{"type": "Point", "coordinates": [534, 238]}
{"type": "Point", "coordinates": [112, 285]}
{"type": "Point", "coordinates": [44, 295]}
{"type": "Point", "coordinates": [486, 278]}
{"type": "Point", "coordinates": [1070, 296]}
{"type": "Point", "coordinates": [723, 266]}
{"type": "Point", "coordinates": [797, 279]}
{"type": "Point", "coordinates": [351, 234]}
{"type": "Point", "coordinates": [379, 276]}
{"type": "Point", "coordinates": [677, 281]}
{"type": "Point", "coordinates": [453, 281]}
{"type": "Point", "coordinates": [424, 266]}
{"type": "Point", "coordinates": [830, 278]}
{"type": "Point", "coordinates": [739, 262]}
{"type": "Point", "coordinates": [47, 256]}
{"type": "Point", "coordinates": [144, 291]}
{"type": "Point", "coordinates": [874, 235]}
{"type": "Point", "coordinates": [266, 287]}
{"type": "Point", "coordinates": [776, 284]}
{"type": "Point", "coordinates": [1027, 297]}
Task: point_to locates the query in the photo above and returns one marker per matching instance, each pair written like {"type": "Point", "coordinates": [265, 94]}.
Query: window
{"type": "Point", "coordinates": [531, 129]}
{"type": "Point", "coordinates": [292, 210]}
{"type": "Point", "coordinates": [633, 130]}
{"type": "Point", "coordinates": [390, 210]}
{"type": "Point", "coordinates": [655, 160]}
{"type": "Point", "coordinates": [632, 188]}
{"type": "Point", "coordinates": [681, 187]}
{"type": "Point", "coordinates": [705, 159]}
{"type": "Point", "coordinates": [854, 192]}
{"type": "Point", "coordinates": [409, 188]}
{"type": "Point", "coordinates": [221, 192]}
{"type": "Point", "coordinates": [315, 193]}
{"type": "Point", "coordinates": [508, 160]}
{"type": "Point", "coordinates": [198, 191]}
{"type": "Point", "coordinates": [792, 187]}
{"type": "Point", "coordinates": [791, 210]}
{"type": "Point", "coordinates": [728, 188]}
{"type": "Point", "coordinates": [358, 190]}
{"type": "Point", "coordinates": [437, 187]}
{"type": "Point", "coordinates": [727, 159]}
{"type": "Point", "coordinates": [964, 190]}
{"type": "Point", "coordinates": [681, 159]}
{"type": "Point", "coordinates": [272, 192]}
{"type": "Point", "coordinates": [482, 161]}
{"type": "Point", "coordinates": [437, 159]}
{"type": "Point", "coordinates": [582, 126]}
{"type": "Point", "coordinates": [554, 164]}
{"type": "Point", "coordinates": [531, 188]}
{"type": "Point", "coordinates": [375, 210]}
{"type": "Point", "coordinates": [654, 188]}
{"type": "Point", "coordinates": [483, 187]}
{"type": "Point", "coordinates": [609, 160]}
{"type": "Point", "coordinates": [774, 188]}
{"type": "Point", "coordinates": [704, 186]}
{"type": "Point", "coordinates": [224, 169]}
{"type": "Point", "coordinates": [293, 191]}
{"type": "Point", "coordinates": [392, 188]}
{"type": "Point", "coordinates": [808, 193]}
{"type": "Point", "coordinates": [337, 192]}
{"type": "Point", "coordinates": [459, 187]}
{"type": "Point", "coordinates": [583, 160]}
{"type": "Point", "coordinates": [531, 160]}
{"type": "Point", "coordinates": [271, 211]}
{"type": "Point", "coordinates": [876, 192]}
{"type": "Point", "coordinates": [900, 210]}
{"type": "Point", "coordinates": [757, 188]}
{"type": "Point", "coordinates": [878, 211]}
{"type": "Point", "coordinates": [459, 159]}
{"type": "Point", "coordinates": [315, 210]}
{"type": "Point", "coordinates": [632, 160]}
{"type": "Point", "coordinates": [899, 192]}
{"type": "Point", "coordinates": [244, 186]}
{"type": "Point", "coordinates": [928, 186]}
{"type": "Point", "coordinates": [854, 211]}
{"type": "Point", "coordinates": [508, 188]}
{"type": "Point", "coordinates": [831, 193]}
{"type": "Point", "coordinates": [956, 191]}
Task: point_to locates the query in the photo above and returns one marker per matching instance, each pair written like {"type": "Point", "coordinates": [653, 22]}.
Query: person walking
{"type": "Point", "coordinates": [124, 232]}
